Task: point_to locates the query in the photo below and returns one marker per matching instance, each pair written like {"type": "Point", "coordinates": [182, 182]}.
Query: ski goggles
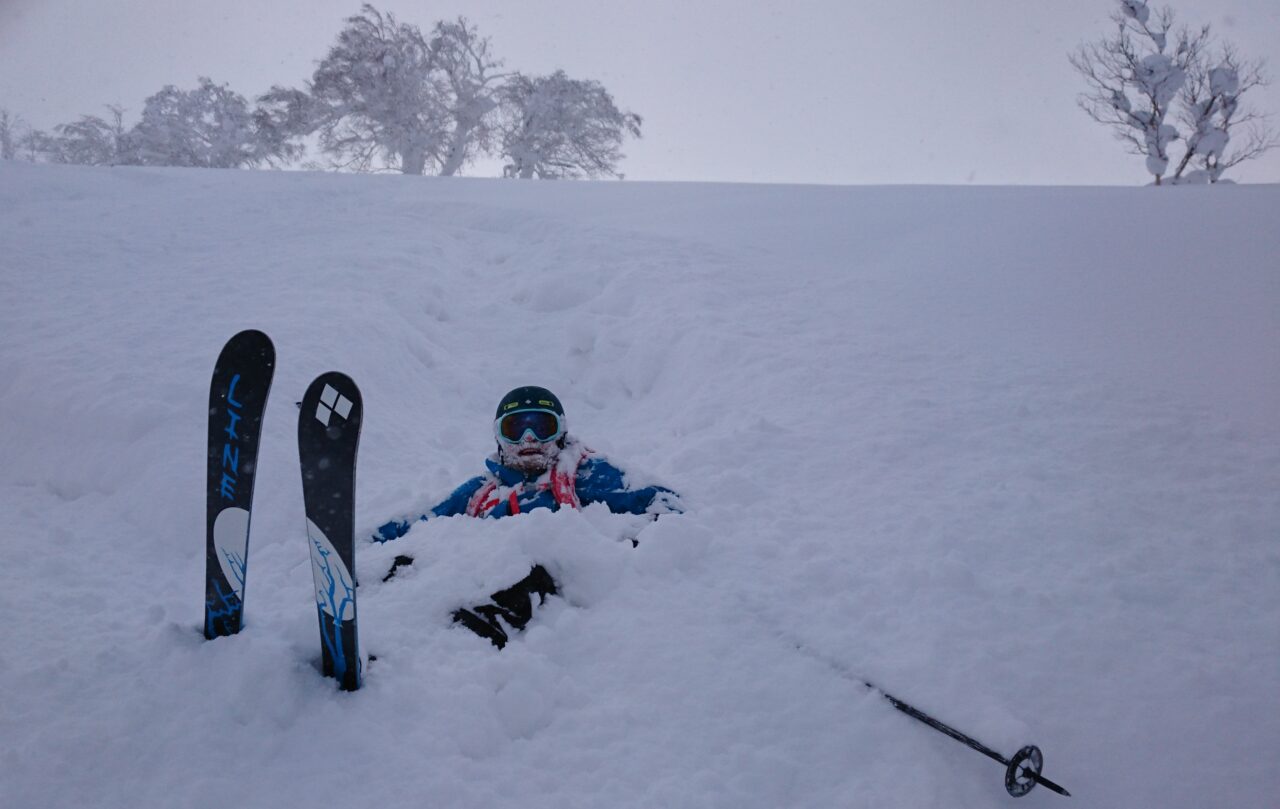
{"type": "Point", "coordinates": [545, 425]}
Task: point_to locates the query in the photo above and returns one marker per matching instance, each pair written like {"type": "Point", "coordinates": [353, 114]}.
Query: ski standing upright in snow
{"type": "Point", "coordinates": [328, 437]}
{"type": "Point", "coordinates": [237, 400]}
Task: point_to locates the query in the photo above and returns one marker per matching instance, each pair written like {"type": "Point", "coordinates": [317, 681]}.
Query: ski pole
{"type": "Point", "coordinates": [1022, 771]}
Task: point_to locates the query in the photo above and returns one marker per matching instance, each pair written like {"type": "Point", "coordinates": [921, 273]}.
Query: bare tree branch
{"type": "Point", "coordinates": [1137, 77]}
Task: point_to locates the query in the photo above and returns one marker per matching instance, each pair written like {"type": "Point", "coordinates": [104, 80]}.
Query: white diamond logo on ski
{"type": "Point", "coordinates": [331, 403]}
{"type": "Point", "coordinates": [231, 540]}
{"type": "Point", "coordinates": [335, 590]}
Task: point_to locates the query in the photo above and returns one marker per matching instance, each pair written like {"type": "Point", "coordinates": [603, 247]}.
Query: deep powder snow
{"type": "Point", "coordinates": [1009, 452]}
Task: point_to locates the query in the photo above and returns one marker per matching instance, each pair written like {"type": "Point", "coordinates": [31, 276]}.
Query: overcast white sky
{"type": "Point", "coordinates": [802, 91]}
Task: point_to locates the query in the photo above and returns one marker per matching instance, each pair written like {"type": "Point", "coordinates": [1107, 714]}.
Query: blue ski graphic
{"type": "Point", "coordinates": [328, 437]}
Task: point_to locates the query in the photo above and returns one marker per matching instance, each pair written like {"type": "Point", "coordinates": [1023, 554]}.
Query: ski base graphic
{"type": "Point", "coordinates": [237, 400]}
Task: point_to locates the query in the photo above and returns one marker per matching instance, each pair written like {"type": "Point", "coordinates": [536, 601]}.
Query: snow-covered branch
{"type": "Point", "coordinates": [1138, 76]}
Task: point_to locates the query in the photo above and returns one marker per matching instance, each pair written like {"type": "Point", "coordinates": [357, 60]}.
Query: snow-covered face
{"type": "Point", "coordinates": [530, 456]}
{"type": "Point", "coordinates": [528, 439]}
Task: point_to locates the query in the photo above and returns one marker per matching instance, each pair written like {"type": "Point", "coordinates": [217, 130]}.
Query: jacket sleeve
{"type": "Point", "coordinates": [601, 482]}
{"type": "Point", "coordinates": [456, 503]}
{"type": "Point", "coordinates": [451, 506]}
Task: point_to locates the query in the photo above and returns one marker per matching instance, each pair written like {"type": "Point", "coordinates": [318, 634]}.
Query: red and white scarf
{"type": "Point", "coordinates": [561, 480]}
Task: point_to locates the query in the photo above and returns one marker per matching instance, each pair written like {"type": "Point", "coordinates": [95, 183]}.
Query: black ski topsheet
{"type": "Point", "coordinates": [237, 400]}
{"type": "Point", "coordinates": [328, 437]}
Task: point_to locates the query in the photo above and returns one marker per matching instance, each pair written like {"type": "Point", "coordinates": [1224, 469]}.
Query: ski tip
{"type": "Point", "coordinates": [249, 346]}
{"type": "Point", "coordinates": [252, 338]}
{"type": "Point", "coordinates": [1047, 784]}
{"type": "Point", "coordinates": [333, 400]}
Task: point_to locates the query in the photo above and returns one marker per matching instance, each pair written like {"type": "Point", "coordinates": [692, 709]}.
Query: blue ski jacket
{"type": "Point", "coordinates": [506, 491]}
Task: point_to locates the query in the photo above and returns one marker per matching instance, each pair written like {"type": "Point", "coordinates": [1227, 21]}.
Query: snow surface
{"type": "Point", "coordinates": [1010, 453]}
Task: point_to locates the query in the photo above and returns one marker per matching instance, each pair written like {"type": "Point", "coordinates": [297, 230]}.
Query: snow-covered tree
{"type": "Point", "coordinates": [462, 59]}
{"type": "Point", "coordinates": [278, 122]}
{"type": "Point", "coordinates": [558, 127]}
{"type": "Point", "coordinates": [90, 141]}
{"type": "Point", "coordinates": [210, 126]}
{"type": "Point", "coordinates": [1136, 61]}
{"type": "Point", "coordinates": [1139, 74]}
{"type": "Point", "coordinates": [386, 96]}
{"type": "Point", "coordinates": [12, 131]}
{"type": "Point", "coordinates": [368, 99]}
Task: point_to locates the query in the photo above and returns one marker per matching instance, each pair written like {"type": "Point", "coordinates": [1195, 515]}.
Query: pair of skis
{"type": "Point", "coordinates": [328, 437]}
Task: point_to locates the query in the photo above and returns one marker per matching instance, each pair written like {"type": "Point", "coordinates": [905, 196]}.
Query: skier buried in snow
{"type": "Point", "coordinates": [538, 465]}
